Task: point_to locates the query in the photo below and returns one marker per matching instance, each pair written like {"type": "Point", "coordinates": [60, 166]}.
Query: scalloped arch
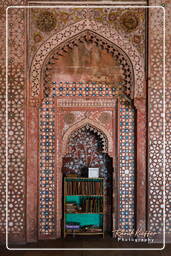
{"type": "Point", "coordinates": [100, 42]}
{"type": "Point", "coordinates": [91, 123]}
{"type": "Point", "coordinates": [102, 30]}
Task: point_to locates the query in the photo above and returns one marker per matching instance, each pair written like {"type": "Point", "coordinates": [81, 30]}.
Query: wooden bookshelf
{"type": "Point", "coordinates": [83, 206]}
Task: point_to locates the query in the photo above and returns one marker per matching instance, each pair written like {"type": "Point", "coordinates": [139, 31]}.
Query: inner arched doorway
{"type": "Point", "coordinates": [87, 148]}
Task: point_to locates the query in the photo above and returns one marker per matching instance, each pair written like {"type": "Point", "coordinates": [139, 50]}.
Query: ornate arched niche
{"type": "Point", "coordinates": [45, 95]}
{"type": "Point", "coordinates": [111, 35]}
{"type": "Point", "coordinates": [89, 58]}
{"type": "Point", "coordinates": [87, 146]}
{"type": "Point", "coordinates": [96, 127]}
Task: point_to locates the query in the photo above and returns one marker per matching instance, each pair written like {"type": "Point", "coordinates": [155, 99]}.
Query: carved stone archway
{"type": "Point", "coordinates": [36, 95]}
{"type": "Point", "coordinates": [56, 40]}
{"type": "Point", "coordinates": [88, 36]}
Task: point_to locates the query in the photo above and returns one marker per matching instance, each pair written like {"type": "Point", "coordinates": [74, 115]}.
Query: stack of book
{"type": "Point", "coordinates": [91, 228]}
{"type": "Point", "coordinates": [71, 207]}
{"type": "Point", "coordinates": [84, 188]}
{"type": "Point", "coordinates": [92, 205]}
{"type": "Point", "coordinates": [72, 227]}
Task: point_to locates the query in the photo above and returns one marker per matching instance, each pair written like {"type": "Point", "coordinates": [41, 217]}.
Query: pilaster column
{"type": "Point", "coordinates": [32, 172]}
{"type": "Point", "coordinates": [141, 167]}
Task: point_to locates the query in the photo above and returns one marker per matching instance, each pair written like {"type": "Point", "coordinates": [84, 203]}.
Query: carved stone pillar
{"type": "Point", "coordinates": [32, 168]}
{"type": "Point", "coordinates": [140, 105]}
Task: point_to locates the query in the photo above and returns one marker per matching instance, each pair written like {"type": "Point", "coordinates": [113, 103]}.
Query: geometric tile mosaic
{"type": "Point", "coordinates": [126, 168]}
{"type": "Point", "coordinates": [17, 138]}
{"type": "Point", "coordinates": [47, 164]}
{"type": "Point", "coordinates": [16, 123]}
{"type": "Point", "coordinates": [155, 123]}
{"type": "Point", "coordinates": [83, 89]}
{"type": "Point", "coordinates": [16, 163]}
{"type": "Point", "coordinates": [168, 161]}
{"type": "Point", "coordinates": [46, 167]}
{"type": "Point", "coordinates": [168, 119]}
{"type": "Point", "coordinates": [156, 171]}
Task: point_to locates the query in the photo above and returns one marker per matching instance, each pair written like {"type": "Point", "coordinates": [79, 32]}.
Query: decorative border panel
{"type": "Point", "coordinates": [16, 124]}
{"type": "Point", "coordinates": [89, 89]}
{"type": "Point", "coordinates": [47, 195]}
{"type": "Point", "coordinates": [2, 151]}
{"type": "Point", "coordinates": [155, 123]}
{"type": "Point", "coordinates": [168, 120]}
{"type": "Point", "coordinates": [47, 168]}
{"type": "Point", "coordinates": [126, 183]}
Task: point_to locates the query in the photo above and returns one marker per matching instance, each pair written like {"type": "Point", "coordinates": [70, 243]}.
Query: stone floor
{"type": "Point", "coordinates": [81, 242]}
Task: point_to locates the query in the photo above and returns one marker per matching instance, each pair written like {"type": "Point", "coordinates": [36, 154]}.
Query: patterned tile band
{"type": "Point", "coordinates": [155, 123]}
{"type": "Point", "coordinates": [47, 150]}
{"type": "Point", "coordinates": [126, 168]}
{"type": "Point", "coordinates": [84, 89]}
{"type": "Point", "coordinates": [46, 165]}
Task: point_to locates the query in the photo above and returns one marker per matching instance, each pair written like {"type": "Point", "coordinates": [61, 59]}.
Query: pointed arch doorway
{"type": "Point", "coordinates": [87, 147]}
{"type": "Point", "coordinates": [89, 96]}
{"type": "Point", "coordinates": [77, 125]}
{"type": "Point", "coordinates": [86, 69]}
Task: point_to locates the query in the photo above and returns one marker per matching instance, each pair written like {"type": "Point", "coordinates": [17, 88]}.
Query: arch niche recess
{"type": "Point", "coordinates": [99, 128]}
{"type": "Point", "coordinates": [88, 144]}
{"type": "Point", "coordinates": [114, 43]}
